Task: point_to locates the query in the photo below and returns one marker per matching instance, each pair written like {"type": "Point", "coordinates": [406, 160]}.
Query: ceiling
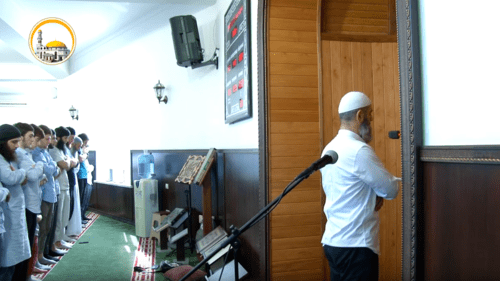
{"type": "Point", "coordinates": [93, 22]}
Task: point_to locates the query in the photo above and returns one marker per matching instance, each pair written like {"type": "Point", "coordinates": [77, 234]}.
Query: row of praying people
{"type": "Point", "coordinates": [44, 196]}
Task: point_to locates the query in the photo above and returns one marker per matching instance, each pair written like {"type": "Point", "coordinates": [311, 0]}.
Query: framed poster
{"type": "Point", "coordinates": [238, 92]}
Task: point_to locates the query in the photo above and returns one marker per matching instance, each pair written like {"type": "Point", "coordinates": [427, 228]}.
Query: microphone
{"type": "Point", "coordinates": [330, 157]}
{"type": "Point", "coordinates": [394, 135]}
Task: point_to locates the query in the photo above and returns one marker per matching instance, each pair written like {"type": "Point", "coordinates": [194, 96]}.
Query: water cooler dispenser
{"type": "Point", "coordinates": [146, 203]}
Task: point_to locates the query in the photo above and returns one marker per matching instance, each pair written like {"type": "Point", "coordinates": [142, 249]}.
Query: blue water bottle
{"type": "Point", "coordinates": [146, 165]}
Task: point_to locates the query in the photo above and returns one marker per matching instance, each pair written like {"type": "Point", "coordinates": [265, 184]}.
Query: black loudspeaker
{"type": "Point", "coordinates": [186, 40]}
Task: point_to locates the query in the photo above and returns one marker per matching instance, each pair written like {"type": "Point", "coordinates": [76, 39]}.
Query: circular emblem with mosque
{"type": "Point", "coordinates": [52, 41]}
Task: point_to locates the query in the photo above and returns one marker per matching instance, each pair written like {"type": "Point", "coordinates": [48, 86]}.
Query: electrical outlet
{"type": "Point", "coordinates": [166, 186]}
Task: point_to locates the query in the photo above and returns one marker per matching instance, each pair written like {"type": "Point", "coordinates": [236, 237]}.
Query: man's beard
{"type": "Point", "coordinates": [9, 155]}
{"type": "Point", "coordinates": [365, 131]}
{"type": "Point", "coordinates": [61, 146]}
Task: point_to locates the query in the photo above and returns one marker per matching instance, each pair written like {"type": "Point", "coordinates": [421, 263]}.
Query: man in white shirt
{"type": "Point", "coordinates": [65, 163]}
{"type": "Point", "coordinates": [355, 187]}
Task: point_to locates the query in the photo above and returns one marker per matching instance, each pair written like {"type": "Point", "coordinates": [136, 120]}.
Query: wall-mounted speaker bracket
{"type": "Point", "coordinates": [209, 62]}
{"type": "Point", "coordinates": [213, 60]}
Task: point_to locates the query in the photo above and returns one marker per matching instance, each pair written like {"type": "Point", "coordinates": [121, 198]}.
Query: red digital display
{"type": "Point", "coordinates": [235, 18]}
{"type": "Point", "coordinates": [237, 79]}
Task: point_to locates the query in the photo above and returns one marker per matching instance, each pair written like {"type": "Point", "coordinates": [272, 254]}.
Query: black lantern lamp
{"type": "Point", "coordinates": [159, 89]}
{"type": "Point", "coordinates": [74, 113]}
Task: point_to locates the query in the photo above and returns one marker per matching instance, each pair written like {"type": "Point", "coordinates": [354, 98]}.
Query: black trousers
{"type": "Point", "coordinates": [352, 263]}
{"type": "Point", "coordinates": [51, 236]}
{"type": "Point", "coordinates": [85, 194]}
{"type": "Point", "coordinates": [45, 225]}
{"type": "Point", "coordinates": [7, 272]}
{"type": "Point", "coordinates": [71, 201]}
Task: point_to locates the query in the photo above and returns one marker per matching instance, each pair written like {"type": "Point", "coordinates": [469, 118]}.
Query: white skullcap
{"type": "Point", "coordinates": [77, 140]}
{"type": "Point", "coordinates": [352, 101]}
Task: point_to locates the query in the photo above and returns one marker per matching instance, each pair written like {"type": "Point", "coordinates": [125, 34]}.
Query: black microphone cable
{"type": "Point", "coordinates": [262, 216]}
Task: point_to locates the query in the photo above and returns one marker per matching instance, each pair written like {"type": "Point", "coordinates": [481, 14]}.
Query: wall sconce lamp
{"type": "Point", "coordinates": [159, 89]}
{"type": "Point", "coordinates": [74, 113]}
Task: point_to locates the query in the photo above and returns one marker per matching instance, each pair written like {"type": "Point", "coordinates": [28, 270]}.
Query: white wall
{"type": "Point", "coordinates": [460, 72]}
{"type": "Point", "coordinates": [118, 107]}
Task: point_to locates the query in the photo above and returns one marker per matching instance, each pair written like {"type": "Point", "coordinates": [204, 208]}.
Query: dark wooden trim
{"type": "Point", "coordinates": [382, 38]}
{"type": "Point", "coordinates": [262, 31]}
{"type": "Point", "coordinates": [461, 154]}
{"type": "Point", "coordinates": [411, 133]}
{"type": "Point", "coordinates": [392, 19]}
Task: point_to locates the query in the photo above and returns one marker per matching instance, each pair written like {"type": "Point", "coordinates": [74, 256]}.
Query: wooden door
{"type": "Point", "coordinates": [371, 68]}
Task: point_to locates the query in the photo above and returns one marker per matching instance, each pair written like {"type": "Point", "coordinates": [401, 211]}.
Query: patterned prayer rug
{"type": "Point", "coordinates": [93, 217]}
{"type": "Point", "coordinates": [144, 258]}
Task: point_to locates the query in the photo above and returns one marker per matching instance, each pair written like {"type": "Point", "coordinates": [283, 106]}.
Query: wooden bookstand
{"type": "Point", "coordinates": [195, 170]}
{"type": "Point", "coordinates": [162, 235]}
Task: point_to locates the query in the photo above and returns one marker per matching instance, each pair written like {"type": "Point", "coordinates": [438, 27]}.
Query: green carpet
{"type": "Point", "coordinates": [108, 255]}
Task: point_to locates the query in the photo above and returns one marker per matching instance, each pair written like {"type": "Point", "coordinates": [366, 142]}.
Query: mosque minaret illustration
{"type": "Point", "coordinates": [54, 51]}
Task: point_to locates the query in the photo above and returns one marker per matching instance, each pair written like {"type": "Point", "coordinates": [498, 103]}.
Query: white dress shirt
{"type": "Point", "coordinates": [351, 186]}
{"type": "Point", "coordinates": [58, 155]}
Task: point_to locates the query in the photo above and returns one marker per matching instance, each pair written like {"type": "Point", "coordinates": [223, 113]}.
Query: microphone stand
{"type": "Point", "coordinates": [235, 232]}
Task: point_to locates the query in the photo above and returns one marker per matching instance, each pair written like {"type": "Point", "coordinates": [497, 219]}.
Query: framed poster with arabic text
{"type": "Point", "coordinates": [238, 90]}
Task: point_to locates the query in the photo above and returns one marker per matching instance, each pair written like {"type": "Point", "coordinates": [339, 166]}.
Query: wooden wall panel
{"type": "Point", "coordinates": [299, 122]}
{"type": "Point", "coordinates": [459, 213]}
{"type": "Point", "coordinates": [114, 201]}
{"type": "Point", "coordinates": [294, 140]}
{"type": "Point", "coordinates": [359, 20]}
{"type": "Point", "coordinates": [373, 69]}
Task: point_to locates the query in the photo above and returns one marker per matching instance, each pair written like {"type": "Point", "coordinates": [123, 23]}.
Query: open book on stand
{"type": "Point", "coordinates": [190, 169]}
{"type": "Point", "coordinates": [207, 244]}
{"type": "Point", "coordinates": [205, 166]}
{"type": "Point", "coordinates": [171, 219]}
